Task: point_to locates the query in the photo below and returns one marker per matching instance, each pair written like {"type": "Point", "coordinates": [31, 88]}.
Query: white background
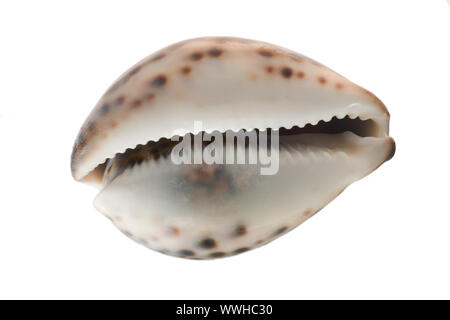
{"type": "Point", "coordinates": [386, 236]}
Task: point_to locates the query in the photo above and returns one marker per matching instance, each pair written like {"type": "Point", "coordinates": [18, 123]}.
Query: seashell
{"type": "Point", "coordinates": [331, 133]}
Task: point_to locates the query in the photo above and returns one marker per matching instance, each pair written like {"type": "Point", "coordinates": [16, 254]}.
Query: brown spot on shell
{"type": "Point", "coordinates": [207, 243]}
{"type": "Point", "coordinates": [217, 254]}
{"type": "Point", "coordinates": [300, 74]}
{"type": "Point", "coordinates": [241, 250]}
{"type": "Point", "coordinates": [286, 72]}
{"type": "Point", "coordinates": [119, 100]}
{"type": "Point", "coordinates": [269, 69]}
{"type": "Point", "coordinates": [149, 96]}
{"type": "Point", "coordinates": [186, 70]}
{"type": "Point", "coordinates": [186, 253]}
{"type": "Point", "coordinates": [240, 231]}
{"type": "Point", "coordinates": [265, 53]}
{"type": "Point", "coordinates": [307, 212]}
{"type": "Point", "coordinates": [215, 52]}
{"type": "Point", "coordinates": [136, 103]}
{"type": "Point", "coordinates": [114, 124]}
{"type": "Point", "coordinates": [253, 76]}
{"type": "Point", "coordinates": [339, 86]}
{"type": "Point", "coordinates": [159, 80]}
{"type": "Point", "coordinates": [173, 231]}
{"type": "Point", "coordinates": [322, 80]}
{"type": "Point", "coordinates": [196, 56]}
{"type": "Point", "coordinates": [280, 231]}
{"type": "Point", "coordinates": [104, 109]}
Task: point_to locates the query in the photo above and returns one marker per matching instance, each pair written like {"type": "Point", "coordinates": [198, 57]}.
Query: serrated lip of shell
{"type": "Point", "coordinates": [383, 134]}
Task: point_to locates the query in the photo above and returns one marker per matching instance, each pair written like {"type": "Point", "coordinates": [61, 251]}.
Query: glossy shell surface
{"type": "Point", "coordinates": [230, 84]}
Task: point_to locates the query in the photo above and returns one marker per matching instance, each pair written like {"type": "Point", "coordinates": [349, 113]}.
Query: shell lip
{"type": "Point", "coordinates": [100, 172]}
{"type": "Point", "coordinates": [352, 111]}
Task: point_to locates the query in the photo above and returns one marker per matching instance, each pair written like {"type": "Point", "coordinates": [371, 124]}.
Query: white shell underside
{"type": "Point", "coordinates": [156, 205]}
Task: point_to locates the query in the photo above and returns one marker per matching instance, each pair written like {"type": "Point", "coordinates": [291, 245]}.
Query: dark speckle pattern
{"type": "Point", "coordinates": [217, 254]}
{"type": "Point", "coordinates": [186, 253]}
{"type": "Point", "coordinates": [265, 53]}
{"type": "Point", "coordinates": [104, 109]}
{"type": "Point", "coordinates": [119, 100]}
{"type": "Point", "coordinates": [280, 231]}
{"type": "Point", "coordinates": [174, 231]}
{"type": "Point", "coordinates": [300, 74]}
{"type": "Point", "coordinates": [215, 52]}
{"type": "Point", "coordinates": [241, 250]}
{"type": "Point", "coordinates": [322, 80]}
{"type": "Point", "coordinates": [149, 96]}
{"type": "Point", "coordinates": [136, 103]}
{"type": "Point", "coordinates": [207, 243]}
{"type": "Point", "coordinates": [159, 80]}
{"type": "Point", "coordinates": [240, 231]}
{"type": "Point", "coordinates": [186, 70]}
{"type": "Point", "coordinates": [286, 72]}
{"type": "Point", "coordinates": [196, 56]}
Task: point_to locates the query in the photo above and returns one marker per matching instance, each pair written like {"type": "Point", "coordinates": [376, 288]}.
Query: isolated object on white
{"type": "Point", "coordinates": [332, 133]}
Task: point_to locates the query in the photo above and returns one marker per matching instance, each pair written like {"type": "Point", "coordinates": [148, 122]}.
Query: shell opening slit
{"type": "Point", "coordinates": [154, 150]}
